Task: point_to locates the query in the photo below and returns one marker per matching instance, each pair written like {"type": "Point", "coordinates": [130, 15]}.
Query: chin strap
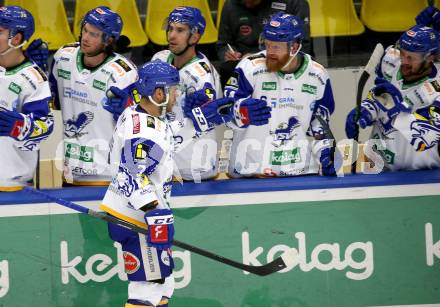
{"type": "Point", "coordinates": [292, 56]}
{"type": "Point", "coordinates": [162, 106]}
{"type": "Point", "coordinates": [12, 47]}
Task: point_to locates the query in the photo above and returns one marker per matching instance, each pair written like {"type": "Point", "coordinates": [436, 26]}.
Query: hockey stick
{"type": "Point", "coordinates": [368, 71]}
{"type": "Point", "coordinates": [276, 265]}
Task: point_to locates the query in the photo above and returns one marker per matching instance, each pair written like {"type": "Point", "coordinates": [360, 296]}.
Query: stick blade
{"type": "Point", "coordinates": [285, 260]}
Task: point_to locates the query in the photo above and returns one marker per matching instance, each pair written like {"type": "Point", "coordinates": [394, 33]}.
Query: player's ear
{"type": "Point", "coordinates": [17, 39]}
{"type": "Point", "coordinates": [159, 95]}
{"type": "Point", "coordinates": [194, 39]}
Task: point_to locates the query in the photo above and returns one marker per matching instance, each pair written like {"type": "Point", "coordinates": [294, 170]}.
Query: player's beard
{"type": "Point", "coordinates": [94, 52]}
{"type": "Point", "coordinates": [410, 74]}
{"type": "Point", "coordinates": [274, 65]}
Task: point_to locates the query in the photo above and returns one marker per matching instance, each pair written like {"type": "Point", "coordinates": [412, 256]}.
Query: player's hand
{"type": "Point", "coordinates": [327, 162]}
{"type": "Point", "coordinates": [160, 228]}
{"type": "Point", "coordinates": [212, 113]}
{"type": "Point", "coordinates": [425, 17]}
{"type": "Point", "coordinates": [367, 117]}
{"type": "Point", "coordinates": [16, 125]}
{"type": "Point", "coordinates": [251, 111]}
{"type": "Point", "coordinates": [38, 52]}
{"type": "Point", "coordinates": [117, 101]}
{"type": "Point", "coordinates": [232, 56]}
{"type": "Point", "coordinates": [198, 98]}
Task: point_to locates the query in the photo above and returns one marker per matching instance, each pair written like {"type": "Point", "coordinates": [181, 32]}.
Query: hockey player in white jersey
{"type": "Point", "coordinates": [404, 106]}
{"type": "Point", "coordinates": [25, 118]}
{"type": "Point", "coordinates": [197, 160]}
{"type": "Point", "coordinates": [91, 84]}
{"type": "Point", "coordinates": [142, 152]}
{"type": "Point", "coordinates": [297, 88]}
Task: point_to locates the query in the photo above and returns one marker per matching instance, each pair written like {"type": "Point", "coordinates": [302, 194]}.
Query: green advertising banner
{"type": "Point", "coordinates": [354, 253]}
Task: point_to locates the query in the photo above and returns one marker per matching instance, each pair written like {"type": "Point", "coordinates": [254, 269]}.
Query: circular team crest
{"type": "Point", "coordinates": [131, 263]}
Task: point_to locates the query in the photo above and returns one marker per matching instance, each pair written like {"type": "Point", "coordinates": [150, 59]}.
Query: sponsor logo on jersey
{"type": "Point", "coordinates": [29, 80]}
{"type": "Point", "coordinates": [124, 65]}
{"type": "Point", "coordinates": [14, 87]}
{"type": "Point", "coordinates": [64, 59]}
{"type": "Point", "coordinates": [205, 67]}
{"type": "Point", "coordinates": [136, 123]}
{"type": "Point", "coordinates": [307, 88]}
{"type": "Point", "coordinates": [269, 86]}
{"type": "Point", "coordinates": [436, 85]}
{"type": "Point", "coordinates": [78, 152]}
{"type": "Point", "coordinates": [64, 74]}
{"type": "Point", "coordinates": [131, 263]}
{"type": "Point", "coordinates": [388, 156]}
{"type": "Point", "coordinates": [141, 151]}
{"type": "Point", "coordinates": [151, 122]}
{"type": "Point", "coordinates": [99, 85]}
{"type": "Point", "coordinates": [285, 157]}
{"type": "Point", "coordinates": [259, 72]}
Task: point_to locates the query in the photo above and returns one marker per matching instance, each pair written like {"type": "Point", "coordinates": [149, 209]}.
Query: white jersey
{"type": "Point", "coordinates": [280, 148]}
{"type": "Point", "coordinates": [197, 158]}
{"type": "Point", "coordinates": [25, 90]}
{"type": "Point", "coordinates": [88, 127]}
{"type": "Point", "coordinates": [399, 153]}
{"type": "Point", "coordinates": [141, 156]}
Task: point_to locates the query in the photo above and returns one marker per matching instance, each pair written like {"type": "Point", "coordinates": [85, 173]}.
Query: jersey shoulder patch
{"type": "Point", "coordinates": [205, 66]}
{"type": "Point", "coordinates": [123, 64]}
{"type": "Point", "coordinates": [436, 85]}
{"type": "Point", "coordinates": [256, 56]}
{"type": "Point", "coordinates": [40, 72]}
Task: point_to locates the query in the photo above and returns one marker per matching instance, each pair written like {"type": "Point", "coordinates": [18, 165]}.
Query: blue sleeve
{"type": "Point", "coordinates": [324, 107]}
{"type": "Point", "coordinates": [54, 88]}
{"type": "Point", "coordinates": [238, 85]}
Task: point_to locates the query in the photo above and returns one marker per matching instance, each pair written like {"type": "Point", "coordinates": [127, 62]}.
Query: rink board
{"type": "Point", "coordinates": [357, 244]}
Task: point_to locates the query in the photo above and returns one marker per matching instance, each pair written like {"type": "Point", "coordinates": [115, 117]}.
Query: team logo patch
{"type": "Point", "coordinates": [245, 30]}
{"type": "Point", "coordinates": [131, 263]}
{"type": "Point", "coordinates": [205, 67]}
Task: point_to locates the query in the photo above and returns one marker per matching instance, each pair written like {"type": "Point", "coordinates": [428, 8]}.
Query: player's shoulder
{"type": "Point", "coordinates": [120, 66]}
{"type": "Point", "coordinates": [162, 55]}
{"type": "Point", "coordinates": [199, 66]}
{"type": "Point", "coordinates": [253, 62]}
{"type": "Point", "coordinates": [314, 68]}
{"type": "Point", "coordinates": [33, 74]}
{"type": "Point", "coordinates": [67, 52]}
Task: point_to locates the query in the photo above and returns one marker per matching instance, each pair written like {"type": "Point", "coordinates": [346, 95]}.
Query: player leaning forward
{"type": "Point", "coordinates": [297, 88]}
{"type": "Point", "coordinates": [404, 106]}
{"type": "Point", "coordinates": [142, 156]}
{"type": "Point", "coordinates": [25, 118]}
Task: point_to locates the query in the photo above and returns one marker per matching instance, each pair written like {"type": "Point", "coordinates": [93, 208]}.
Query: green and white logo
{"type": "Point", "coordinates": [285, 157]}
{"type": "Point", "coordinates": [388, 156]}
{"type": "Point", "coordinates": [99, 85]}
{"type": "Point", "coordinates": [307, 88]}
{"type": "Point", "coordinates": [269, 86]}
{"type": "Point", "coordinates": [14, 87]}
{"type": "Point", "coordinates": [82, 153]}
{"type": "Point", "coordinates": [64, 74]}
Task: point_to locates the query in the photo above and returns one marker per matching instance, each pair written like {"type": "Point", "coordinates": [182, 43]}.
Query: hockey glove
{"type": "Point", "coordinates": [38, 52]}
{"type": "Point", "coordinates": [198, 98]}
{"type": "Point", "coordinates": [251, 111]}
{"type": "Point", "coordinates": [117, 101]}
{"type": "Point", "coordinates": [326, 152]}
{"type": "Point", "coordinates": [367, 117]}
{"type": "Point", "coordinates": [160, 228]}
{"type": "Point", "coordinates": [429, 17]}
{"type": "Point", "coordinates": [215, 112]}
{"type": "Point", "coordinates": [16, 125]}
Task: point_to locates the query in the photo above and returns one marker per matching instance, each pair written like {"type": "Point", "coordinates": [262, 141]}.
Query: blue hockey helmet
{"type": "Point", "coordinates": [17, 19]}
{"type": "Point", "coordinates": [188, 15]}
{"type": "Point", "coordinates": [283, 28]}
{"type": "Point", "coordinates": [156, 74]}
{"type": "Point", "coordinates": [105, 20]}
{"type": "Point", "coordinates": [420, 39]}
